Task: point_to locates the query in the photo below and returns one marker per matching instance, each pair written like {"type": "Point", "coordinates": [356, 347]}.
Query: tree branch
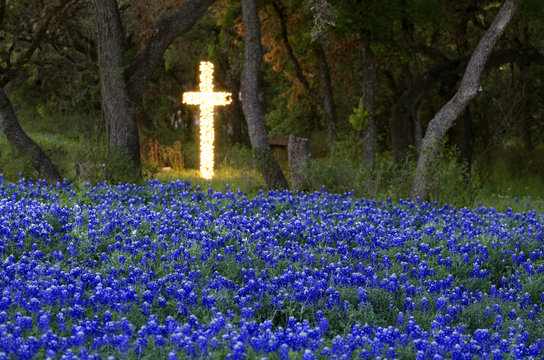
{"type": "Point", "coordinates": [82, 43]}
{"type": "Point", "coordinates": [298, 70]}
{"type": "Point", "coordinates": [57, 15]}
{"type": "Point", "coordinates": [431, 52]}
{"type": "Point", "coordinates": [165, 32]}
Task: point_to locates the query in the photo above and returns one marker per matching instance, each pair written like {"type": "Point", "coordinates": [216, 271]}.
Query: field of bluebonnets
{"type": "Point", "coordinates": [169, 271]}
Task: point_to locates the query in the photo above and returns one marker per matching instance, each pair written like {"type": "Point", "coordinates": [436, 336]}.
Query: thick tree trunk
{"type": "Point", "coordinates": [121, 96]}
{"type": "Point", "coordinates": [328, 99]}
{"type": "Point", "coordinates": [9, 126]}
{"type": "Point", "coordinates": [264, 159]}
{"type": "Point", "coordinates": [119, 111]}
{"type": "Point", "coordinates": [367, 101]}
{"type": "Point", "coordinates": [470, 87]}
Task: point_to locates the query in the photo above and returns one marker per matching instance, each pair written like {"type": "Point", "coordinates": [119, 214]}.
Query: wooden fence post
{"type": "Point", "coordinates": [298, 150]}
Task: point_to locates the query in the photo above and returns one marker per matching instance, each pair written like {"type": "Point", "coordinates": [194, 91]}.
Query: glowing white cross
{"type": "Point", "coordinates": [207, 99]}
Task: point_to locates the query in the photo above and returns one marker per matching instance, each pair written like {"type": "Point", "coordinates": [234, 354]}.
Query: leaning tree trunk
{"type": "Point", "coordinates": [119, 112]}
{"type": "Point", "coordinates": [470, 87]}
{"type": "Point", "coordinates": [9, 126]}
{"type": "Point", "coordinates": [262, 153]}
{"type": "Point", "coordinates": [367, 101]}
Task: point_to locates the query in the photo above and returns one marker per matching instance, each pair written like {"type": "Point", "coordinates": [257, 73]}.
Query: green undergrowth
{"type": "Point", "coordinates": [79, 151]}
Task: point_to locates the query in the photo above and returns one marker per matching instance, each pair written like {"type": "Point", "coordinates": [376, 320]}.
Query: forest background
{"type": "Point", "coordinates": [360, 79]}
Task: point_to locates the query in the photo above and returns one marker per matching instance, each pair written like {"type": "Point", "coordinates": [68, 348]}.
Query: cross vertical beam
{"type": "Point", "coordinates": [206, 99]}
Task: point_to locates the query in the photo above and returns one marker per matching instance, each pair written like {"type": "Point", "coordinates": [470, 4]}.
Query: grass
{"type": "Point", "coordinates": [75, 142]}
{"type": "Point", "coordinates": [505, 190]}
{"type": "Point", "coordinates": [248, 181]}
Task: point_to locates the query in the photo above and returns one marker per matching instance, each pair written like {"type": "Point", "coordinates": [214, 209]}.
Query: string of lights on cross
{"type": "Point", "coordinates": [206, 98]}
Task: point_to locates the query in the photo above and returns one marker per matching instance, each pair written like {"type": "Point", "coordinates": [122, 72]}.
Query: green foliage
{"type": "Point", "coordinates": [170, 58]}
{"type": "Point", "coordinates": [344, 171]}
{"type": "Point", "coordinates": [359, 118]}
{"type": "Point", "coordinates": [284, 119]}
{"type": "Point", "coordinates": [238, 157]}
{"type": "Point", "coordinates": [451, 181]}
{"type": "Point", "coordinates": [385, 307]}
{"type": "Point", "coordinates": [12, 162]}
{"type": "Point", "coordinates": [506, 188]}
{"type": "Point", "coordinates": [248, 181]}
{"type": "Point", "coordinates": [430, 14]}
{"type": "Point", "coordinates": [117, 168]}
{"type": "Point", "coordinates": [473, 316]}
{"type": "Point", "coordinates": [62, 151]}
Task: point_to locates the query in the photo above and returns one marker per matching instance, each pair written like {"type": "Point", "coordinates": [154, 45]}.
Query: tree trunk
{"type": "Point", "coordinates": [367, 101]}
{"type": "Point", "coordinates": [122, 91]}
{"type": "Point", "coordinates": [470, 87]}
{"type": "Point", "coordinates": [9, 126]}
{"type": "Point", "coordinates": [264, 158]}
{"type": "Point", "coordinates": [328, 99]}
{"type": "Point", "coordinates": [119, 111]}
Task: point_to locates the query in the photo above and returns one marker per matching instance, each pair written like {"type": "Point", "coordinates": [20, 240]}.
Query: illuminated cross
{"type": "Point", "coordinates": [207, 99]}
